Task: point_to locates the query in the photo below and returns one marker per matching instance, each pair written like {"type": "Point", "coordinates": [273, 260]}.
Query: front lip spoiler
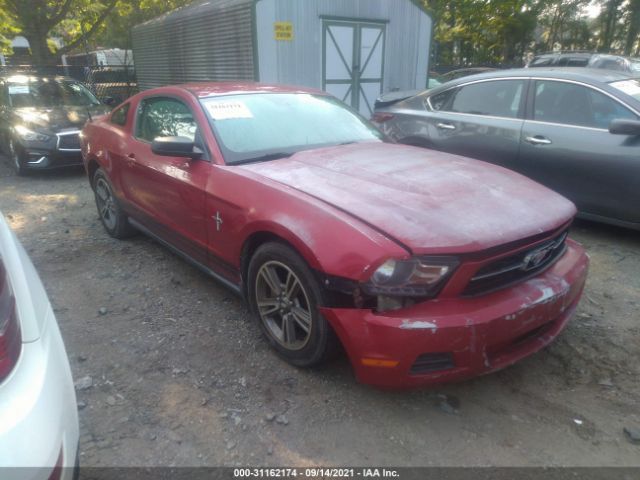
{"type": "Point", "coordinates": [37, 162]}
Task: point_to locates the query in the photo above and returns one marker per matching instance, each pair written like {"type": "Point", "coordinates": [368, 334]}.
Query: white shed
{"type": "Point", "coordinates": [354, 49]}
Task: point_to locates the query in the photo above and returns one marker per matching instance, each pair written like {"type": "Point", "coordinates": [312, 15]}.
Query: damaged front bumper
{"type": "Point", "coordinates": [450, 339]}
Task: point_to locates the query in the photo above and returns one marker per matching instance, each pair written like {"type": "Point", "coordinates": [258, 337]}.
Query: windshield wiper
{"type": "Point", "coordinates": [263, 158]}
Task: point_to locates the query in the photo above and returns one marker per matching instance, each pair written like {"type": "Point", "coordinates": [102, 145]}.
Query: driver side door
{"type": "Point", "coordinates": [168, 193]}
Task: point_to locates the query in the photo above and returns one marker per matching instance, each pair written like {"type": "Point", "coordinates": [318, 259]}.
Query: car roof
{"type": "Point", "coordinates": [565, 54]}
{"type": "Point", "coordinates": [212, 89]}
{"type": "Point", "coordinates": [566, 73]}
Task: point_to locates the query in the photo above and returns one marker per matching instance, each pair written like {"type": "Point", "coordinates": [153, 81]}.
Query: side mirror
{"type": "Point", "coordinates": [175, 147]}
{"type": "Point", "coordinates": [625, 127]}
{"type": "Point", "coordinates": [110, 101]}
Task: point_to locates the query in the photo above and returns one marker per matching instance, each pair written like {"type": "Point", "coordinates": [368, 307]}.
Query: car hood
{"type": "Point", "coordinates": [429, 201]}
{"type": "Point", "coordinates": [54, 119]}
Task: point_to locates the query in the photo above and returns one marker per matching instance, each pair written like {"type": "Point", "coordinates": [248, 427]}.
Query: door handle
{"type": "Point", "coordinates": [131, 159]}
{"type": "Point", "coordinates": [538, 140]}
{"type": "Point", "coordinates": [446, 126]}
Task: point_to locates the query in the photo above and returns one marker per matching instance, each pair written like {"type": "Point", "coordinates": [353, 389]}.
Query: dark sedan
{"type": "Point", "coordinates": [574, 130]}
{"type": "Point", "coordinates": [41, 118]}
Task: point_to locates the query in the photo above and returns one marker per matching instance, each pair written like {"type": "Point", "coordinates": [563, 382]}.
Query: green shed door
{"type": "Point", "coordinates": [353, 62]}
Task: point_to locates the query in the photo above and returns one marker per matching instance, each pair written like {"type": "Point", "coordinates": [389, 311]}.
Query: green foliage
{"type": "Point", "coordinates": [466, 31]}
{"type": "Point", "coordinates": [117, 28]}
{"type": "Point", "coordinates": [504, 31]}
{"type": "Point", "coordinates": [80, 23]}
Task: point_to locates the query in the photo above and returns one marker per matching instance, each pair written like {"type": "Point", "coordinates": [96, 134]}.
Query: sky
{"type": "Point", "coordinates": [593, 10]}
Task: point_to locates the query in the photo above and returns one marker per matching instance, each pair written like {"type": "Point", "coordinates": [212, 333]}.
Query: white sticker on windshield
{"type": "Point", "coordinates": [226, 110]}
{"type": "Point", "coordinates": [630, 87]}
{"type": "Point", "coordinates": [18, 89]}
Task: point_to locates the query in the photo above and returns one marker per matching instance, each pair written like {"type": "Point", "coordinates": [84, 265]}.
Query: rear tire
{"type": "Point", "coordinates": [113, 218]}
{"type": "Point", "coordinates": [285, 297]}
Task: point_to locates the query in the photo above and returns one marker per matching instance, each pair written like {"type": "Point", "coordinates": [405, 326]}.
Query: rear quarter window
{"type": "Point", "coordinates": [498, 98]}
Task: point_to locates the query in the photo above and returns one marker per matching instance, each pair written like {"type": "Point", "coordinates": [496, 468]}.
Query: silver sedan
{"type": "Point", "coordinates": [575, 130]}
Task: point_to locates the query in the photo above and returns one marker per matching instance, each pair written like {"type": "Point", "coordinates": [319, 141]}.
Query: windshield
{"type": "Point", "coordinates": [42, 92]}
{"type": "Point", "coordinates": [630, 87]}
{"type": "Point", "coordinates": [268, 125]}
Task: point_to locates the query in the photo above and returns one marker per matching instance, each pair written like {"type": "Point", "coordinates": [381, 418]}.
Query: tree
{"type": "Point", "coordinates": [7, 31]}
{"type": "Point", "coordinates": [609, 19]}
{"type": "Point", "coordinates": [563, 22]}
{"type": "Point", "coordinates": [79, 23]}
{"type": "Point", "coordinates": [632, 21]}
{"type": "Point", "coordinates": [37, 20]}
{"type": "Point", "coordinates": [128, 14]}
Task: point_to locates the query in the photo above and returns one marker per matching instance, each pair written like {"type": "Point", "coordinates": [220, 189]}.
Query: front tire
{"type": "Point", "coordinates": [16, 160]}
{"type": "Point", "coordinates": [113, 218]}
{"type": "Point", "coordinates": [285, 297]}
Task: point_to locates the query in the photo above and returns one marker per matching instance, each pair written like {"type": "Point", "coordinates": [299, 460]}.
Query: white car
{"type": "Point", "coordinates": [38, 412]}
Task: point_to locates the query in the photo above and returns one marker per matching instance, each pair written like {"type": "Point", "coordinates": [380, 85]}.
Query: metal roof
{"type": "Point", "coordinates": [193, 9]}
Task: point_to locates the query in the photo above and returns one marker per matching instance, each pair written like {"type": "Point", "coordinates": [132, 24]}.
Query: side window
{"type": "Point", "coordinates": [500, 98]}
{"type": "Point", "coordinates": [541, 62]}
{"type": "Point", "coordinates": [577, 62]}
{"type": "Point", "coordinates": [610, 64]}
{"type": "Point", "coordinates": [164, 117]}
{"type": "Point", "coordinates": [571, 104]}
{"type": "Point", "coordinates": [119, 116]}
{"type": "Point", "coordinates": [441, 100]}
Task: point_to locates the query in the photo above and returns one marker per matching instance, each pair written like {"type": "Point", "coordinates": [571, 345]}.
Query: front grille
{"type": "Point", "coordinates": [517, 267]}
{"type": "Point", "coordinates": [432, 362]}
{"type": "Point", "coordinates": [69, 141]}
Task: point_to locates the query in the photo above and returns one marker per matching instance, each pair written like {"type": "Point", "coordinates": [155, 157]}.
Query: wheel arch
{"type": "Point", "coordinates": [264, 235]}
{"type": "Point", "coordinates": [92, 167]}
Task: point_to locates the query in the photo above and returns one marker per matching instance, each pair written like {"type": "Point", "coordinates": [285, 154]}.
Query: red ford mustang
{"type": "Point", "coordinates": [426, 267]}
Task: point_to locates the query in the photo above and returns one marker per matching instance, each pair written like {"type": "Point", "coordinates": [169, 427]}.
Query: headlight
{"type": "Point", "coordinates": [30, 135]}
{"type": "Point", "coordinates": [414, 277]}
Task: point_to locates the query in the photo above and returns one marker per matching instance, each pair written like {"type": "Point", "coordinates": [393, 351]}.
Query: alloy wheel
{"type": "Point", "coordinates": [106, 204]}
{"type": "Point", "coordinates": [283, 305]}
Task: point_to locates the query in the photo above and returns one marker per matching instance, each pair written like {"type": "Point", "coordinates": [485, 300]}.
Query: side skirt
{"type": "Point", "coordinates": [230, 285]}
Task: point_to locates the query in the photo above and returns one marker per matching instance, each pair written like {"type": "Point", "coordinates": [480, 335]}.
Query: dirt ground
{"type": "Point", "coordinates": [180, 375]}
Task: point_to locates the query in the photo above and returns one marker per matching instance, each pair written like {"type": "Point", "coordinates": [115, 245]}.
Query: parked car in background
{"type": "Point", "coordinates": [40, 119]}
{"type": "Point", "coordinates": [587, 59]}
{"type": "Point", "coordinates": [435, 80]}
{"type": "Point", "coordinates": [463, 72]}
{"type": "Point", "coordinates": [576, 131]}
{"type": "Point", "coordinates": [426, 267]}
{"type": "Point", "coordinates": [38, 417]}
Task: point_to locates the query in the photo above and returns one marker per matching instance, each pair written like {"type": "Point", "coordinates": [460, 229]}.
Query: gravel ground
{"type": "Point", "coordinates": [176, 373]}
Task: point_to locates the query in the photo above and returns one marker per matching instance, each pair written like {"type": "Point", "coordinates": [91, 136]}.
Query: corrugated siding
{"type": "Point", "coordinates": [207, 41]}
{"type": "Point", "coordinates": [408, 36]}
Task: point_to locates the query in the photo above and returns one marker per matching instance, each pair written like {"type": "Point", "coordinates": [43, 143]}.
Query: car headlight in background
{"type": "Point", "coordinates": [413, 277]}
{"type": "Point", "coordinates": [29, 135]}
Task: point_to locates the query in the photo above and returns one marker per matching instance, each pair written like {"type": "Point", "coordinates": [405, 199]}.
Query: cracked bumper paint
{"type": "Point", "coordinates": [483, 334]}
